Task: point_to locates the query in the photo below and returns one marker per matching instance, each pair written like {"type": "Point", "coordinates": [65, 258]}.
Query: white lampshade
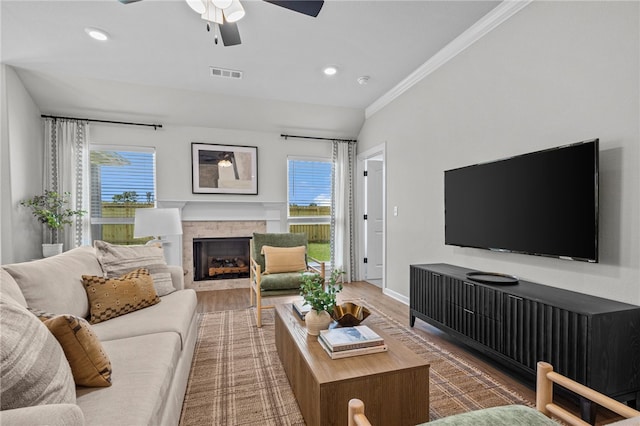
{"type": "Point", "coordinates": [157, 222]}
{"type": "Point", "coordinates": [234, 12]}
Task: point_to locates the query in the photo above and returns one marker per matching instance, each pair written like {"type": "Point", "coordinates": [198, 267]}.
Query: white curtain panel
{"type": "Point", "coordinates": [67, 169]}
{"type": "Point", "coordinates": [342, 211]}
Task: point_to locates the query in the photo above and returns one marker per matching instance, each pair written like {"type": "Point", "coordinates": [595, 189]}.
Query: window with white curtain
{"type": "Point", "coordinates": [123, 179]}
{"type": "Point", "coordinates": [309, 202]}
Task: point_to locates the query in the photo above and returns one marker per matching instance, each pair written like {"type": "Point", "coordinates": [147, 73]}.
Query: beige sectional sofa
{"type": "Point", "coordinates": [150, 349]}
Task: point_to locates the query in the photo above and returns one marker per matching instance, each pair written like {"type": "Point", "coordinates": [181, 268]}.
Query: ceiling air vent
{"type": "Point", "coordinates": [221, 72]}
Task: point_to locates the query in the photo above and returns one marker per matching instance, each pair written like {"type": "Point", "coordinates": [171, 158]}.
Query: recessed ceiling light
{"type": "Point", "coordinates": [97, 34]}
{"type": "Point", "coordinates": [330, 70]}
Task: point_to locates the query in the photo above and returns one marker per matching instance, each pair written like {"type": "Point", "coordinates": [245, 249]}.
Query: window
{"type": "Point", "coordinates": [122, 180]}
{"type": "Point", "coordinates": [309, 196]}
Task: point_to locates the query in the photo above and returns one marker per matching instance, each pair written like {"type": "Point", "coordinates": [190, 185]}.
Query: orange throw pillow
{"type": "Point", "coordinates": [89, 363]}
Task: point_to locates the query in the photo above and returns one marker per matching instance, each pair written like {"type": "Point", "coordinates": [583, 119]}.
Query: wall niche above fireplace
{"type": "Point", "coordinates": [220, 258]}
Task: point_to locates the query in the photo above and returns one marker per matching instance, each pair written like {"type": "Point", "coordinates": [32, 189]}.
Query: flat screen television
{"type": "Point", "coordinates": [542, 203]}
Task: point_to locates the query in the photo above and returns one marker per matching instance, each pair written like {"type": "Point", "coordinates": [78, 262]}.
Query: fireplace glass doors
{"type": "Point", "coordinates": [220, 258]}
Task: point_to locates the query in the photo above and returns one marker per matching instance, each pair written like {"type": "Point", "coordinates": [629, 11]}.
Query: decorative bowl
{"type": "Point", "coordinates": [349, 314]}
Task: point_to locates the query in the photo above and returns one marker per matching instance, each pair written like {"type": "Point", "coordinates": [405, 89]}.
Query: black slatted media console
{"type": "Point", "coordinates": [592, 340]}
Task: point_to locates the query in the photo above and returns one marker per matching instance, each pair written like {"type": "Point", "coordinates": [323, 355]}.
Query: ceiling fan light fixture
{"type": "Point", "coordinates": [213, 14]}
{"type": "Point", "coordinates": [234, 12]}
{"type": "Point", "coordinates": [197, 5]}
{"type": "Point", "coordinates": [221, 4]}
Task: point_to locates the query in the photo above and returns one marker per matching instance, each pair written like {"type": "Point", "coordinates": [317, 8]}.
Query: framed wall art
{"type": "Point", "coordinates": [224, 169]}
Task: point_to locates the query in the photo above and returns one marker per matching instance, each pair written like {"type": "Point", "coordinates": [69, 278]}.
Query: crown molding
{"type": "Point", "coordinates": [486, 24]}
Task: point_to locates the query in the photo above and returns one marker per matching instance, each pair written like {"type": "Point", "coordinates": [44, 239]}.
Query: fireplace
{"type": "Point", "coordinates": [220, 258]}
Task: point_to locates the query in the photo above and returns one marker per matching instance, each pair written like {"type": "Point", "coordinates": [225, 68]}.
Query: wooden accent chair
{"type": "Point", "coordinates": [264, 283]}
{"type": "Point", "coordinates": [504, 416]}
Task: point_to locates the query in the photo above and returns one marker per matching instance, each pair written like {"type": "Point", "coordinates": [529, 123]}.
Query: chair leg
{"type": "Point", "coordinates": [258, 309]}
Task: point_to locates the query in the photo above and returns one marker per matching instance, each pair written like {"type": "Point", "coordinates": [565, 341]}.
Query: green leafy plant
{"type": "Point", "coordinates": [51, 209]}
{"type": "Point", "coordinates": [321, 297]}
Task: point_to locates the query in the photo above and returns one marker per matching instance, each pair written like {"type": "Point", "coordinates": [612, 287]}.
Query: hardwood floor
{"type": "Point", "coordinates": [221, 300]}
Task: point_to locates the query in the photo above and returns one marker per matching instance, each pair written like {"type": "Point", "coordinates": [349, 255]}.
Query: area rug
{"type": "Point", "coordinates": [237, 379]}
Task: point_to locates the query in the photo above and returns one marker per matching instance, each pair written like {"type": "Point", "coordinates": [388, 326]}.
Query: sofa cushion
{"type": "Point", "coordinates": [284, 259]}
{"type": "Point", "coordinates": [33, 368]}
{"type": "Point", "coordinates": [110, 298]}
{"type": "Point", "coordinates": [89, 362]}
{"type": "Point", "coordinates": [174, 314]}
{"type": "Point", "coordinates": [50, 415]}
{"type": "Point", "coordinates": [118, 260]}
{"type": "Point", "coordinates": [9, 287]}
{"type": "Point", "coordinates": [143, 372]}
{"type": "Point", "coordinates": [54, 284]}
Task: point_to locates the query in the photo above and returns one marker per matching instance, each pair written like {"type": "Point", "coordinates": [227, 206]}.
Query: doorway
{"type": "Point", "coordinates": [372, 219]}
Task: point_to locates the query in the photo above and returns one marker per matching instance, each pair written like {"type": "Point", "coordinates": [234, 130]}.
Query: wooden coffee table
{"type": "Point", "coordinates": [394, 385]}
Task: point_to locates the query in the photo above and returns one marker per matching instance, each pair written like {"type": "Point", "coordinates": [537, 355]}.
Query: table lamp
{"type": "Point", "coordinates": [157, 223]}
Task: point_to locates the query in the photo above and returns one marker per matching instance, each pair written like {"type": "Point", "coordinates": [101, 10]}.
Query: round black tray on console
{"type": "Point", "coordinates": [493, 278]}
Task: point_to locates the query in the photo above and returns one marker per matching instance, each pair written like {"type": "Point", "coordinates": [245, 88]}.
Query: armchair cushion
{"type": "Point", "coordinates": [283, 281]}
{"type": "Point", "coordinates": [275, 240]}
{"type": "Point", "coordinates": [284, 259]}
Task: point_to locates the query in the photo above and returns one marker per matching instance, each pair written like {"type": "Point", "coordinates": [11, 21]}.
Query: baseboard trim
{"type": "Point", "coordinates": [395, 295]}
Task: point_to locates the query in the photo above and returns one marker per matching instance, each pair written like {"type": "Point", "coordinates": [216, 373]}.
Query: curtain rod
{"type": "Point", "coordinates": [319, 139]}
{"type": "Point", "coordinates": [127, 123]}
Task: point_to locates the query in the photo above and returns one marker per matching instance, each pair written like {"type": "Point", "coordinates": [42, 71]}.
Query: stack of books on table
{"type": "Point", "coordinates": [344, 342]}
{"type": "Point", "coordinates": [301, 308]}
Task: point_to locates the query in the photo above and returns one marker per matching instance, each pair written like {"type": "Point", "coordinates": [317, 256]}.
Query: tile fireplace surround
{"type": "Point", "coordinates": [214, 229]}
{"type": "Point", "coordinates": [207, 219]}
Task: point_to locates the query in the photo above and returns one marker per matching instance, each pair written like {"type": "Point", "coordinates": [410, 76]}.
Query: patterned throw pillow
{"type": "Point", "coordinates": [42, 315]}
{"type": "Point", "coordinates": [118, 260]}
{"type": "Point", "coordinates": [89, 362]}
{"type": "Point", "coordinates": [112, 297]}
{"type": "Point", "coordinates": [33, 368]}
{"type": "Point", "coordinates": [284, 259]}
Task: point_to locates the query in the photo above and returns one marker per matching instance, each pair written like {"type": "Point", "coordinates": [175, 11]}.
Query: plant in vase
{"type": "Point", "coordinates": [321, 298]}
{"type": "Point", "coordinates": [52, 210]}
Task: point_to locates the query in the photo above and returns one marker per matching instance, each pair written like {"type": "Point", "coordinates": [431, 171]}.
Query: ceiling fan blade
{"type": "Point", "coordinates": [127, 1]}
{"type": "Point", "coordinates": [230, 34]}
{"type": "Point", "coordinates": [308, 7]}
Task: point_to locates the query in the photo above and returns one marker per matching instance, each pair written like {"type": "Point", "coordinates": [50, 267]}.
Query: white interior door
{"type": "Point", "coordinates": [375, 221]}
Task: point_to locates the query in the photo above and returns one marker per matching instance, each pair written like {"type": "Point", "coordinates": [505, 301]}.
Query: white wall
{"type": "Point", "coordinates": [21, 169]}
{"type": "Point", "coordinates": [555, 73]}
{"type": "Point", "coordinates": [173, 157]}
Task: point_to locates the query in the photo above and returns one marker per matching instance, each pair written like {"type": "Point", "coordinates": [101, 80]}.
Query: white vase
{"type": "Point", "coordinates": [49, 250]}
{"type": "Point", "coordinates": [317, 321]}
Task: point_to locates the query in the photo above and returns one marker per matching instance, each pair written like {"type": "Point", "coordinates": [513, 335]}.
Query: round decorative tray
{"type": "Point", "coordinates": [493, 278]}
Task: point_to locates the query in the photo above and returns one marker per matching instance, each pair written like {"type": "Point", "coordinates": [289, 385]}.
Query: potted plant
{"type": "Point", "coordinates": [321, 299]}
{"type": "Point", "coordinates": [51, 209]}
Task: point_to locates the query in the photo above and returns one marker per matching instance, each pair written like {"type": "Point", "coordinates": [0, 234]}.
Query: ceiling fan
{"type": "Point", "coordinates": [224, 14]}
